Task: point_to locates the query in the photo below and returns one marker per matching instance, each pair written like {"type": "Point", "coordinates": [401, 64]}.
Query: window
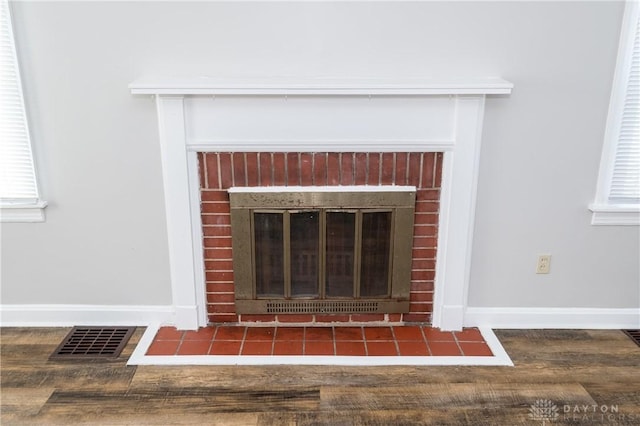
{"type": "Point", "coordinates": [19, 196]}
{"type": "Point", "coordinates": [322, 251]}
{"type": "Point", "coordinates": [618, 194]}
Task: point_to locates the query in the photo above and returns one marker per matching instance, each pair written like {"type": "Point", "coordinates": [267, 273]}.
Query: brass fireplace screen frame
{"type": "Point", "coordinates": [245, 202]}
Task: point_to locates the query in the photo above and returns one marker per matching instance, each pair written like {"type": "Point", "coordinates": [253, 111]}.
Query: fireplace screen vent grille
{"type": "Point", "coordinates": [329, 307]}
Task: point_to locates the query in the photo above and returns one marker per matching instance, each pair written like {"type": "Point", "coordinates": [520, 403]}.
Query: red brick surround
{"type": "Point", "coordinates": [220, 171]}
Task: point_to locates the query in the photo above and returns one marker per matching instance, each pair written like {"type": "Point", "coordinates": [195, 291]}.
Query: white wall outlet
{"type": "Point", "coordinates": [544, 264]}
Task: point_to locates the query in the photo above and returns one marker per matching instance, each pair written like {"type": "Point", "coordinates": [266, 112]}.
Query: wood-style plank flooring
{"type": "Point", "coordinates": [583, 371]}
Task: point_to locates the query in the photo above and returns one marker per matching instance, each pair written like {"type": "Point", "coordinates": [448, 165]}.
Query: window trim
{"type": "Point", "coordinates": [399, 199]}
{"type": "Point", "coordinates": [27, 209]}
{"type": "Point", "coordinates": [604, 211]}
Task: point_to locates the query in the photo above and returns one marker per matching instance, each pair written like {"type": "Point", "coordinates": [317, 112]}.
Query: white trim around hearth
{"type": "Point", "coordinates": [558, 318]}
{"type": "Point", "coordinates": [85, 315]}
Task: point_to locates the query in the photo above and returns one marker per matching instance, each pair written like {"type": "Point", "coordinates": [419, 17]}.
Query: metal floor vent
{"type": "Point", "coordinates": [93, 342]}
{"type": "Point", "coordinates": [634, 334]}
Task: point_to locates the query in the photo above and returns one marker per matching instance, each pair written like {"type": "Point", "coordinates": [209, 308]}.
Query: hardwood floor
{"type": "Point", "coordinates": [583, 371]}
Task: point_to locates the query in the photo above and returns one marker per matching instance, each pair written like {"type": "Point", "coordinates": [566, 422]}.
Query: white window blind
{"type": "Point", "coordinates": [625, 179]}
{"type": "Point", "coordinates": [19, 197]}
{"type": "Point", "coordinates": [17, 174]}
{"type": "Point", "coordinates": [617, 200]}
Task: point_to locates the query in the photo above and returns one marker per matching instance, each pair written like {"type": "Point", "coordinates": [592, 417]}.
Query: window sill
{"type": "Point", "coordinates": [613, 214]}
{"type": "Point", "coordinates": [23, 212]}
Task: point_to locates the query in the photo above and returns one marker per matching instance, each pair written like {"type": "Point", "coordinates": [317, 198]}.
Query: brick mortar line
{"type": "Point", "coordinates": [354, 164]}
{"type": "Point", "coordinates": [259, 168]}
{"type": "Point", "coordinates": [204, 168]}
{"type": "Point", "coordinates": [420, 170]}
{"type": "Point", "coordinates": [218, 171]}
{"type": "Point", "coordinates": [393, 170]}
{"type": "Point", "coordinates": [406, 173]}
{"type": "Point", "coordinates": [366, 168]}
{"type": "Point", "coordinates": [246, 171]}
{"type": "Point", "coordinates": [233, 169]}
{"type": "Point", "coordinates": [180, 344]}
{"type": "Point", "coordinates": [271, 172]}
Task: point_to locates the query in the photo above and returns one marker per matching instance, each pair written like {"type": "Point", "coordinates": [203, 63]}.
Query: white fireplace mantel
{"type": "Point", "coordinates": [200, 114]}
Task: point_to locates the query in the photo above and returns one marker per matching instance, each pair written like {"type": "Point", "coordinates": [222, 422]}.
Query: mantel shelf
{"type": "Point", "coordinates": [318, 86]}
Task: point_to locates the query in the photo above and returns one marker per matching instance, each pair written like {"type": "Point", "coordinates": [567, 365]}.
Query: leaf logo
{"type": "Point", "coordinates": [544, 410]}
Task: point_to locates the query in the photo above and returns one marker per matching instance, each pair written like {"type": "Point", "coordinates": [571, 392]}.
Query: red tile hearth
{"type": "Point", "coordinates": [300, 341]}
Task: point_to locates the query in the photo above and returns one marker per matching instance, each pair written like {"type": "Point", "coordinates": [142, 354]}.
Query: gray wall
{"type": "Point", "coordinates": [104, 240]}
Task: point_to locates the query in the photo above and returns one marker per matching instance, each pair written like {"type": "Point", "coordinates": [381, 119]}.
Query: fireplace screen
{"type": "Point", "coordinates": [322, 252]}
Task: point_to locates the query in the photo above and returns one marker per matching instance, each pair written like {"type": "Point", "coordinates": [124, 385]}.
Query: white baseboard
{"type": "Point", "coordinates": [584, 318]}
{"type": "Point", "coordinates": [70, 315]}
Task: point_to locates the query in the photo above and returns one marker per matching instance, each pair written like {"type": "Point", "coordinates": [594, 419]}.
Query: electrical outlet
{"type": "Point", "coordinates": [544, 264]}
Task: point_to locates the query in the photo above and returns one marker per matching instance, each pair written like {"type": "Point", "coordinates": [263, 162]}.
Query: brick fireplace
{"type": "Point", "coordinates": [220, 171]}
{"type": "Point", "coordinates": [219, 134]}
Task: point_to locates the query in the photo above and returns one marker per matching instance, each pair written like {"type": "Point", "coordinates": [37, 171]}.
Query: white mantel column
{"type": "Point", "coordinates": [175, 173]}
{"type": "Point", "coordinates": [457, 215]}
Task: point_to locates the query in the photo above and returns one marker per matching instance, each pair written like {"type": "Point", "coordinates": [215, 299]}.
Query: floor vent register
{"type": "Point", "coordinates": [93, 343]}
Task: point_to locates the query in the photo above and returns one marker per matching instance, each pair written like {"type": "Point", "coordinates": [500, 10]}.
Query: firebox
{"type": "Point", "coordinates": [322, 249]}
{"type": "Point", "coordinates": [315, 237]}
